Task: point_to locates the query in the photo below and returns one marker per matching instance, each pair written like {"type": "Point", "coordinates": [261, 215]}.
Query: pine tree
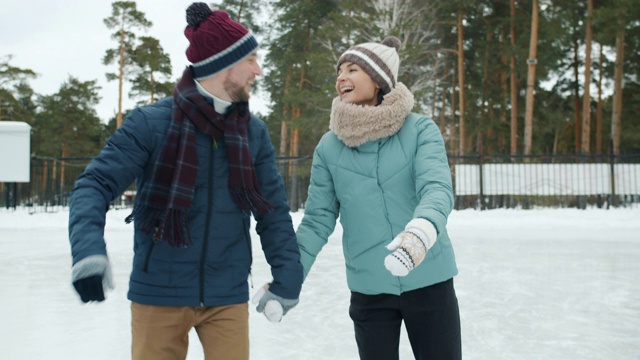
{"type": "Point", "coordinates": [16, 96]}
{"type": "Point", "coordinates": [11, 75]}
{"type": "Point", "coordinates": [67, 124]}
{"type": "Point", "coordinates": [586, 98]}
{"type": "Point", "coordinates": [298, 79]}
{"type": "Point", "coordinates": [531, 79]}
{"type": "Point", "coordinates": [124, 18]}
{"type": "Point", "coordinates": [151, 71]}
{"type": "Point", "coordinates": [246, 12]}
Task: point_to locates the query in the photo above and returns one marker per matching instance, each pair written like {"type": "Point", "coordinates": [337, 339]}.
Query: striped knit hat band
{"type": "Point", "coordinates": [226, 58]}
{"type": "Point", "coordinates": [372, 65]}
{"type": "Point", "coordinates": [216, 42]}
{"type": "Point", "coordinates": [379, 61]}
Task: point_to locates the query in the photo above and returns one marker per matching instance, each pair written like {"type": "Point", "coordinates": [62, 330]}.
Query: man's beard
{"type": "Point", "coordinates": [236, 92]}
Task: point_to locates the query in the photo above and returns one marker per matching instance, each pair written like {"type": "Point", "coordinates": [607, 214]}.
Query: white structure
{"type": "Point", "coordinates": [548, 179]}
{"type": "Point", "coordinates": [15, 151]}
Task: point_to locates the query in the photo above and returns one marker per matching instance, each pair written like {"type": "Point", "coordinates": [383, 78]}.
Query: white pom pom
{"type": "Point", "coordinates": [273, 311]}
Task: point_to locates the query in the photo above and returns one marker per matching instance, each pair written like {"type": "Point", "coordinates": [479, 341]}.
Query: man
{"type": "Point", "coordinates": [202, 164]}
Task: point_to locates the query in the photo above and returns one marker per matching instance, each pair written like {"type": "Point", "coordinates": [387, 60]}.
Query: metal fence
{"type": "Point", "coordinates": [577, 181]}
{"type": "Point", "coordinates": [480, 182]}
{"type": "Point", "coordinates": [51, 182]}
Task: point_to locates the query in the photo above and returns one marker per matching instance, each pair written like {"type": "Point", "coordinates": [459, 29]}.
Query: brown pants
{"type": "Point", "coordinates": [162, 332]}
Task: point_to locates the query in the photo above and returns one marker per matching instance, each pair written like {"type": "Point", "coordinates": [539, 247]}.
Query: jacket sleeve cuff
{"type": "Point", "coordinates": [89, 266]}
{"type": "Point", "coordinates": [423, 227]}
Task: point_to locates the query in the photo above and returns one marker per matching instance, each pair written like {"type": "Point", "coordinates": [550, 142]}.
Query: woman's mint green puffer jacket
{"type": "Point", "coordinates": [375, 189]}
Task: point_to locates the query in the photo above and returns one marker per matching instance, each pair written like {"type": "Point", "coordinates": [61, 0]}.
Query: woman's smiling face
{"type": "Point", "coordinates": [355, 86]}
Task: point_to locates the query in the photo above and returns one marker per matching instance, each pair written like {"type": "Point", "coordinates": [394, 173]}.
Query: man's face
{"type": "Point", "coordinates": [239, 78]}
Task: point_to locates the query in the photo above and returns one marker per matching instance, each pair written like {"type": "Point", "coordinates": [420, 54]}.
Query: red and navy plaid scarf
{"type": "Point", "coordinates": [162, 205]}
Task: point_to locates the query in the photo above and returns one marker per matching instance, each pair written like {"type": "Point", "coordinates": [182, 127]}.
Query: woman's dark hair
{"type": "Point", "coordinates": [380, 97]}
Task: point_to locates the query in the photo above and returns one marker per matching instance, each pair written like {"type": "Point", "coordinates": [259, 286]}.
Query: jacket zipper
{"type": "Point", "coordinates": [205, 240]}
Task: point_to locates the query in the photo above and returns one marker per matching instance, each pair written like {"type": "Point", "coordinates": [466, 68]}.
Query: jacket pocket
{"type": "Point", "coordinates": [147, 257]}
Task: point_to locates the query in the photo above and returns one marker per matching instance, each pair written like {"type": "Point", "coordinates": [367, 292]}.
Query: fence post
{"type": "Point", "coordinates": [481, 179]}
{"type": "Point", "coordinates": [612, 160]}
{"type": "Point", "coordinates": [582, 199]}
{"type": "Point", "coordinates": [11, 200]}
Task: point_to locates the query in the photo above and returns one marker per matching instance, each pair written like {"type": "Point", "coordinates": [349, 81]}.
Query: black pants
{"type": "Point", "coordinates": [431, 317]}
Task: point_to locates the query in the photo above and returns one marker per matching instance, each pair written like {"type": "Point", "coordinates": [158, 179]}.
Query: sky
{"type": "Point", "coordinates": [63, 38]}
{"type": "Point", "coordinates": [532, 284]}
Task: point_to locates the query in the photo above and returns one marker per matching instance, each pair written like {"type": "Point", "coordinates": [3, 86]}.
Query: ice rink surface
{"type": "Point", "coordinates": [533, 284]}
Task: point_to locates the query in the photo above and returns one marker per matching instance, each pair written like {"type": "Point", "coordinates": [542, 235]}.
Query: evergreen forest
{"type": "Point", "coordinates": [511, 77]}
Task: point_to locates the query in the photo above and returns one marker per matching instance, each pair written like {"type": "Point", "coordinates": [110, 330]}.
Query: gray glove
{"type": "Point", "coordinates": [274, 307]}
{"type": "Point", "coordinates": [91, 276]}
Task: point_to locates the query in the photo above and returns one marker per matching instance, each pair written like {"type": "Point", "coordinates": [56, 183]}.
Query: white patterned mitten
{"type": "Point", "coordinates": [410, 247]}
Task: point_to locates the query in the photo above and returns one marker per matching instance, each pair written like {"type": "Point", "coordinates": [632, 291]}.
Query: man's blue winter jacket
{"type": "Point", "coordinates": [213, 270]}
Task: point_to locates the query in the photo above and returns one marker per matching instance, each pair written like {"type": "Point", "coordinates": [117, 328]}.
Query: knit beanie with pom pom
{"type": "Point", "coordinates": [215, 41]}
{"type": "Point", "coordinates": [379, 60]}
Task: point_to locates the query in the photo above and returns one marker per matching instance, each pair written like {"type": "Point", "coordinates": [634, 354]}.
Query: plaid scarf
{"type": "Point", "coordinates": [162, 205]}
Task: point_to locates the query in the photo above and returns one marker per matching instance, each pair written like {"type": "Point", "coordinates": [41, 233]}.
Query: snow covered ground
{"type": "Point", "coordinates": [535, 284]}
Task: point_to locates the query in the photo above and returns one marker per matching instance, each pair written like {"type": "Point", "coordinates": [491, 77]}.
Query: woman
{"type": "Point", "coordinates": [384, 172]}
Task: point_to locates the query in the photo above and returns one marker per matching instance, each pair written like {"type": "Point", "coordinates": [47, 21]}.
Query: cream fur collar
{"type": "Point", "coordinates": [357, 124]}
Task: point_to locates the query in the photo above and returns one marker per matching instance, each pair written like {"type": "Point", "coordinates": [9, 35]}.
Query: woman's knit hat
{"type": "Point", "coordinates": [379, 61]}
{"type": "Point", "coordinates": [215, 41]}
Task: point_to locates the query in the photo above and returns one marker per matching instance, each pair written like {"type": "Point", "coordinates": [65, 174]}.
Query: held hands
{"type": "Point", "coordinates": [274, 307]}
{"type": "Point", "coordinates": [410, 247]}
{"type": "Point", "coordinates": [91, 276]}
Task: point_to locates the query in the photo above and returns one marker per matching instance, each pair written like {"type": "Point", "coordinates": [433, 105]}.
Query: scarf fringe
{"type": "Point", "coordinates": [170, 225]}
{"type": "Point", "coordinates": [251, 200]}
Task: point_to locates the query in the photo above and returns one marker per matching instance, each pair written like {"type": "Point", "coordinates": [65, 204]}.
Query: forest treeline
{"type": "Point", "coordinates": [497, 76]}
